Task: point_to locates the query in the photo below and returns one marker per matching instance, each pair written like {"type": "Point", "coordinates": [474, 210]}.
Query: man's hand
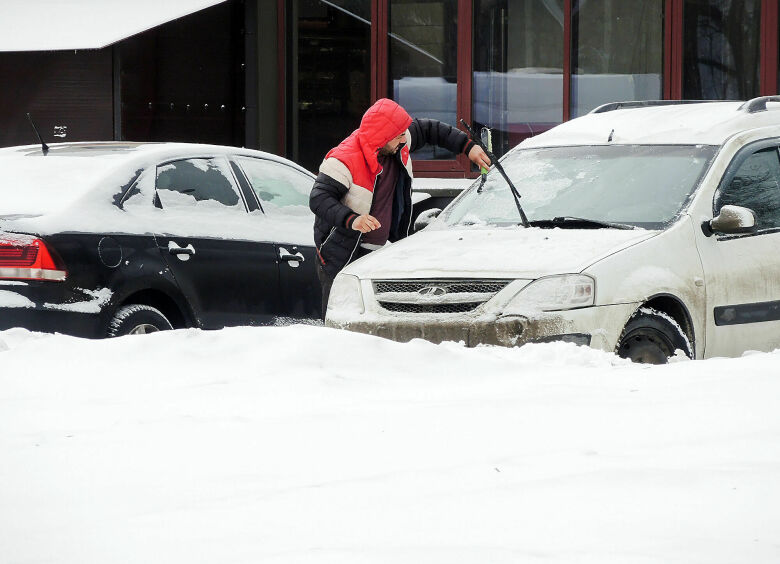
{"type": "Point", "coordinates": [479, 157]}
{"type": "Point", "coordinates": [365, 223]}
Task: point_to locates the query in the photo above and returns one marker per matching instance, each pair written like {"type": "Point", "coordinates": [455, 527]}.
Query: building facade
{"type": "Point", "coordinates": [294, 76]}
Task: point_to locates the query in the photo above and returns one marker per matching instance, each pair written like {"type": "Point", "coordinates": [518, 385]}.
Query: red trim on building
{"type": "Point", "coordinates": [448, 169]}
{"type": "Point", "coordinates": [673, 50]}
{"type": "Point", "coordinates": [567, 7]}
{"type": "Point", "coordinates": [769, 47]}
{"type": "Point", "coordinates": [380, 11]}
{"type": "Point", "coordinates": [465, 63]}
{"type": "Point", "coordinates": [374, 39]}
{"type": "Point", "coordinates": [667, 82]}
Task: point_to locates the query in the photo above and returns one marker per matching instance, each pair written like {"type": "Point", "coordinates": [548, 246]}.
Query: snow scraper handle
{"type": "Point", "coordinates": [477, 141]}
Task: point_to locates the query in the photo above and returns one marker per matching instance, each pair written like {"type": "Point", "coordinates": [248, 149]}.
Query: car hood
{"type": "Point", "coordinates": [495, 253]}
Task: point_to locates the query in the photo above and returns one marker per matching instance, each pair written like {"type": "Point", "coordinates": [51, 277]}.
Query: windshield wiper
{"type": "Point", "coordinates": [494, 161]}
{"type": "Point", "coordinates": [579, 223]}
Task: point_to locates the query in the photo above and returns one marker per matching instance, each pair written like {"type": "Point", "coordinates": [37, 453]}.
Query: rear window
{"type": "Point", "coordinates": [35, 185]}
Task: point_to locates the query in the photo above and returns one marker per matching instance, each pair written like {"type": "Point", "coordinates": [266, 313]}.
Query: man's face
{"type": "Point", "coordinates": [392, 146]}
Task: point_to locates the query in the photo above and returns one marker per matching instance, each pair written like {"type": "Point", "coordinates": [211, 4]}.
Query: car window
{"type": "Point", "coordinates": [197, 183]}
{"type": "Point", "coordinates": [280, 188]}
{"type": "Point", "coordinates": [756, 186]}
{"type": "Point", "coordinates": [642, 185]}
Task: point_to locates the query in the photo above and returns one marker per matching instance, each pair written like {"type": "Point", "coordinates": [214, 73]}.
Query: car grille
{"type": "Point", "coordinates": [435, 296]}
{"type": "Point", "coordinates": [433, 308]}
{"type": "Point", "coordinates": [454, 286]}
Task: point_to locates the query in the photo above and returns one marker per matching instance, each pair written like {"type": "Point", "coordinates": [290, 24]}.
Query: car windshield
{"type": "Point", "coordinates": [625, 185]}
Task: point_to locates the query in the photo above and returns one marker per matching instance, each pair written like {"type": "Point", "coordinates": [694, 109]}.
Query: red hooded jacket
{"type": "Point", "coordinates": [354, 162]}
{"type": "Point", "coordinates": [345, 185]}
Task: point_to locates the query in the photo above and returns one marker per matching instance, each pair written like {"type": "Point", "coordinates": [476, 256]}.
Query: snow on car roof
{"type": "Point", "coordinates": [709, 123]}
{"type": "Point", "coordinates": [32, 183]}
{"type": "Point", "coordinates": [73, 188]}
{"type": "Point", "coordinates": [129, 152]}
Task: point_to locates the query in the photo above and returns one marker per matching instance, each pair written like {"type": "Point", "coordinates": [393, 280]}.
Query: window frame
{"type": "Point", "coordinates": [226, 161]}
{"type": "Point", "coordinates": [674, 48]}
{"type": "Point", "coordinates": [245, 177]}
{"type": "Point", "coordinates": [731, 170]}
{"type": "Point", "coordinates": [460, 167]}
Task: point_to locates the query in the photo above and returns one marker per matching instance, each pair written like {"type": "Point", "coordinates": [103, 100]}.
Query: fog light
{"type": "Point", "coordinates": [345, 296]}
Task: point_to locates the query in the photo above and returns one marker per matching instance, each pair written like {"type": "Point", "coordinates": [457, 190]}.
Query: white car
{"type": "Point", "coordinates": [653, 228]}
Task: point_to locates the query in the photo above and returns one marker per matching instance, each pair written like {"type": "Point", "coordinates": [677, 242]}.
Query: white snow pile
{"type": "Point", "coordinates": [303, 444]}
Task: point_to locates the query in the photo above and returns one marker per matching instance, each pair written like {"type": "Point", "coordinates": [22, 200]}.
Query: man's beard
{"type": "Point", "coordinates": [385, 152]}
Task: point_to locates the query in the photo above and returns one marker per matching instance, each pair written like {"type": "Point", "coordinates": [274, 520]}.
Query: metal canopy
{"type": "Point", "coordinates": [55, 25]}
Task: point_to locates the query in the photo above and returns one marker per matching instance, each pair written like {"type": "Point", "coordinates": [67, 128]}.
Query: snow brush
{"type": "Point", "coordinates": [494, 161]}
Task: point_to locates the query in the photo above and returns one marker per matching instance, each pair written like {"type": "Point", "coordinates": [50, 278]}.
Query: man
{"type": "Point", "coordinates": [362, 197]}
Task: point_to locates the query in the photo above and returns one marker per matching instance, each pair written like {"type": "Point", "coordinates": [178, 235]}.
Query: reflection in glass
{"type": "Point", "coordinates": [331, 75]}
{"type": "Point", "coordinates": [755, 186]}
{"type": "Point", "coordinates": [617, 52]}
{"type": "Point", "coordinates": [277, 186]}
{"type": "Point", "coordinates": [721, 56]}
{"type": "Point", "coordinates": [518, 66]}
{"type": "Point", "coordinates": [641, 185]}
{"type": "Point", "coordinates": [424, 62]}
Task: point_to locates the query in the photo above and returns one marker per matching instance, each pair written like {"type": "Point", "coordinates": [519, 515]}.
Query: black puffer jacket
{"type": "Point", "coordinates": [334, 237]}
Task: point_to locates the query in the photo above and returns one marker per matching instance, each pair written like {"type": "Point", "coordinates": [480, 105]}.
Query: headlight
{"type": "Point", "coordinates": [345, 295]}
{"type": "Point", "coordinates": [567, 291]}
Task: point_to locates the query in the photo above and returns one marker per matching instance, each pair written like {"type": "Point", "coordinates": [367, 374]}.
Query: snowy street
{"type": "Point", "coordinates": [304, 444]}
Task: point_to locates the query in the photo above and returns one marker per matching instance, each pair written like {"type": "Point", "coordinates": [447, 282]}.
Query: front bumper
{"type": "Point", "coordinates": [597, 326]}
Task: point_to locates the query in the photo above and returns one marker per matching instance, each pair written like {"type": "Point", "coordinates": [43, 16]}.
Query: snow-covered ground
{"type": "Point", "coordinates": [303, 444]}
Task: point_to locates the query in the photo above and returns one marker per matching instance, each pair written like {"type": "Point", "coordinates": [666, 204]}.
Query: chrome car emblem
{"type": "Point", "coordinates": [432, 291]}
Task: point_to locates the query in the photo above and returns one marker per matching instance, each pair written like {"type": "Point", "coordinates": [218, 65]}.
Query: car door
{"type": "Point", "coordinates": [206, 236]}
{"type": "Point", "coordinates": [742, 271]}
{"type": "Point", "coordinates": [282, 192]}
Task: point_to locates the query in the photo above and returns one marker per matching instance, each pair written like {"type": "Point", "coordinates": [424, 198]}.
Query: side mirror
{"type": "Point", "coordinates": [425, 218]}
{"type": "Point", "coordinates": [731, 219]}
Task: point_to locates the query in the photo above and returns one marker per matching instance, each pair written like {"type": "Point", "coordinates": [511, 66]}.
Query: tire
{"type": "Point", "coordinates": [137, 319]}
{"type": "Point", "coordinates": [652, 337]}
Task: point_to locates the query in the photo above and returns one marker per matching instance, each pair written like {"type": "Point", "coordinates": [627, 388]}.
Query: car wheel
{"type": "Point", "coordinates": [137, 319]}
{"type": "Point", "coordinates": [652, 337]}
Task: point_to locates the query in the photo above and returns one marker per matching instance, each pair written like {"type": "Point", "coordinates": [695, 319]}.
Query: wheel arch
{"type": "Point", "coordinates": [156, 298]}
{"type": "Point", "coordinates": [675, 308]}
{"type": "Point", "coordinates": [177, 313]}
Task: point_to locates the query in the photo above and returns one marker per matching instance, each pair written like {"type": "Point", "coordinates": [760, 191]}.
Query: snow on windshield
{"type": "Point", "coordinates": [33, 184]}
{"type": "Point", "coordinates": [641, 185]}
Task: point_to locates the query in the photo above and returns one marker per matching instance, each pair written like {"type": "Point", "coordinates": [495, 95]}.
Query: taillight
{"type": "Point", "coordinates": [27, 258]}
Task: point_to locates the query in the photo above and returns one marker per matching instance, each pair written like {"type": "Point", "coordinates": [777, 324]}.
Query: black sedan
{"type": "Point", "coordinates": [105, 239]}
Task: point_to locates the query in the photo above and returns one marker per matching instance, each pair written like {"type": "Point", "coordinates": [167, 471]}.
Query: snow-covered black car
{"type": "Point", "coordinates": [101, 239]}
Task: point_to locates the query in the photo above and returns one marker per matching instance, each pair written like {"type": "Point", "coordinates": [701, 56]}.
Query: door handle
{"type": "Point", "coordinates": [182, 253]}
{"type": "Point", "coordinates": [288, 257]}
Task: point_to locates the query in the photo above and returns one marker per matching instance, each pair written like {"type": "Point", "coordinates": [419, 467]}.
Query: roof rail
{"type": "Point", "coordinates": [758, 104]}
{"type": "Point", "coordinates": [646, 103]}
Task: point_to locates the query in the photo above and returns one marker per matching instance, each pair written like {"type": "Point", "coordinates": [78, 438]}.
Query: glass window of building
{"type": "Point", "coordinates": [517, 87]}
{"type": "Point", "coordinates": [617, 52]}
{"type": "Point", "coordinates": [423, 62]}
{"type": "Point", "coordinates": [721, 49]}
{"type": "Point", "coordinates": [331, 73]}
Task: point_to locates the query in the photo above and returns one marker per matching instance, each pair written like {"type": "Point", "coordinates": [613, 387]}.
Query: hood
{"type": "Point", "coordinates": [495, 253]}
{"type": "Point", "coordinates": [382, 122]}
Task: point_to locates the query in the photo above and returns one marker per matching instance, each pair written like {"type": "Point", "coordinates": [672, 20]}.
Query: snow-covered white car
{"type": "Point", "coordinates": [653, 227]}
